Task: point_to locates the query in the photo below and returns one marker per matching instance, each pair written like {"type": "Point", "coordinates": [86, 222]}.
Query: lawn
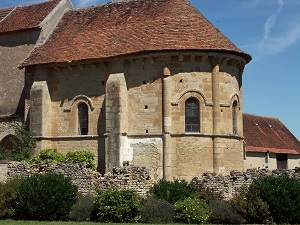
{"type": "Point", "coordinates": [22, 222]}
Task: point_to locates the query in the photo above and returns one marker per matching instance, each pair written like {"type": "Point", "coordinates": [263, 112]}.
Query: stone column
{"type": "Point", "coordinates": [116, 119]}
{"type": "Point", "coordinates": [40, 107]}
{"type": "Point", "coordinates": [167, 122]}
{"type": "Point", "coordinates": [218, 148]}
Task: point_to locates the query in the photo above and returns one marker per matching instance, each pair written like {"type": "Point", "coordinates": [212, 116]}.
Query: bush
{"type": "Point", "coordinates": [82, 156]}
{"type": "Point", "coordinates": [172, 191]}
{"type": "Point", "coordinates": [251, 206]}
{"type": "Point", "coordinates": [282, 194]}
{"type": "Point", "coordinates": [208, 194]}
{"type": "Point", "coordinates": [22, 147]}
{"type": "Point", "coordinates": [156, 210]}
{"type": "Point", "coordinates": [47, 155]}
{"type": "Point", "coordinates": [45, 197]}
{"type": "Point", "coordinates": [224, 213]}
{"type": "Point", "coordinates": [191, 210]}
{"type": "Point", "coordinates": [117, 206]}
{"type": "Point", "coordinates": [83, 208]}
{"type": "Point", "coordinates": [52, 155]}
{"type": "Point", "coordinates": [7, 194]}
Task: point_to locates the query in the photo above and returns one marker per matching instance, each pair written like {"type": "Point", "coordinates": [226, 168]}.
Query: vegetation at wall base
{"type": "Point", "coordinates": [83, 156]}
{"type": "Point", "coordinates": [154, 210]}
{"type": "Point", "coordinates": [282, 194]}
{"type": "Point", "coordinates": [224, 213]}
{"type": "Point", "coordinates": [46, 197]}
{"type": "Point", "coordinates": [7, 195]}
{"type": "Point", "coordinates": [23, 145]}
{"type": "Point", "coordinates": [117, 206]}
{"type": "Point", "coordinates": [172, 191]}
{"type": "Point", "coordinates": [52, 155]}
{"type": "Point", "coordinates": [191, 210]}
{"type": "Point", "coordinates": [82, 209]}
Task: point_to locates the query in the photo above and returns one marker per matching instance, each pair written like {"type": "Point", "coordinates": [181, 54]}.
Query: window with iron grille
{"type": "Point", "coordinates": [234, 117]}
{"type": "Point", "coordinates": [192, 115]}
{"type": "Point", "coordinates": [83, 119]}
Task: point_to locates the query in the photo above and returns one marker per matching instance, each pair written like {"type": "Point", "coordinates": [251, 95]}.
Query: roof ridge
{"type": "Point", "coordinates": [37, 3]}
{"type": "Point", "coordinates": [14, 8]}
{"type": "Point", "coordinates": [251, 114]}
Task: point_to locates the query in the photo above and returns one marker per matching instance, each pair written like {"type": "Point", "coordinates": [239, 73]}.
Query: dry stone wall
{"type": "Point", "coordinates": [130, 177]}
{"type": "Point", "coordinates": [231, 184]}
{"type": "Point", "coordinates": [134, 178]}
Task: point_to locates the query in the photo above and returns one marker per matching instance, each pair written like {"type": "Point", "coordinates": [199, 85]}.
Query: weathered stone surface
{"type": "Point", "coordinates": [88, 181]}
{"type": "Point", "coordinates": [134, 178]}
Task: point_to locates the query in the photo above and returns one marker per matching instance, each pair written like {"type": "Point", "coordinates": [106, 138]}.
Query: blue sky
{"type": "Point", "coordinates": [269, 30]}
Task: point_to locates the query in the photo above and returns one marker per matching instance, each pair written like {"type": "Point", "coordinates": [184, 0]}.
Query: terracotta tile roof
{"type": "Point", "coordinates": [130, 27]}
{"type": "Point", "coordinates": [4, 12]}
{"type": "Point", "coordinates": [264, 134]}
{"type": "Point", "coordinates": [25, 17]}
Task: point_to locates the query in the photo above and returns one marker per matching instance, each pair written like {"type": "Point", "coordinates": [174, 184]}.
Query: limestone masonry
{"type": "Point", "coordinates": [146, 83]}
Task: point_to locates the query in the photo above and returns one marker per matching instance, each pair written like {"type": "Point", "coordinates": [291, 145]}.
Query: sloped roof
{"type": "Point", "coordinates": [129, 27]}
{"type": "Point", "coordinates": [25, 17]}
{"type": "Point", "coordinates": [264, 134]}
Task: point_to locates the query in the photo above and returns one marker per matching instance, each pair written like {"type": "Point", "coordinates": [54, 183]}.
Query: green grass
{"type": "Point", "coordinates": [22, 222]}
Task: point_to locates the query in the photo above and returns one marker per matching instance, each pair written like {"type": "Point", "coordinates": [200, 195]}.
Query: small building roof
{"type": "Point", "coordinates": [25, 17]}
{"type": "Point", "coordinates": [129, 27]}
{"type": "Point", "coordinates": [264, 134]}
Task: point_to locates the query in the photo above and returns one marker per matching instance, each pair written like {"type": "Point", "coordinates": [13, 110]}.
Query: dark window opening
{"type": "Point", "coordinates": [234, 117]}
{"type": "Point", "coordinates": [83, 119]}
{"type": "Point", "coordinates": [192, 115]}
{"type": "Point", "coordinates": [281, 161]}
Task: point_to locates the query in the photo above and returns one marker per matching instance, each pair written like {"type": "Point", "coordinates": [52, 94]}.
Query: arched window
{"type": "Point", "coordinates": [234, 117]}
{"type": "Point", "coordinates": [83, 119]}
{"type": "Point", "coordinates": [192, 115]}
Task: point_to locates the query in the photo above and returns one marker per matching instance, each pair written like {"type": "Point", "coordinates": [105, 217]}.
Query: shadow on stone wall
{"type": "Point", "coordinates": [134, 178]}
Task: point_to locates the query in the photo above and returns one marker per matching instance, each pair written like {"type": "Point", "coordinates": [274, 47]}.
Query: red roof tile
{"type": "Point", "coordinates": [4, 12]}
{"type": "Point", "coordinates": [264, 134]}
{"type": "Point", "coordinates": [131, 27]}
{"type": "Point", "coordinates": [25, 17]}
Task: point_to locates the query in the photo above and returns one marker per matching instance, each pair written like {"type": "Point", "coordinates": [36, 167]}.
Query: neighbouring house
{"type": "Point", "coordinates": [150, 83]}
{"type": "Point", "coordinates": [21, 29]}
{"type": "Point", "coordinates": [269, 144]}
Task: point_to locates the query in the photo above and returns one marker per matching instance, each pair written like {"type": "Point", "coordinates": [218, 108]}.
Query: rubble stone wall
{"type": "Point", "coordinates": [88, 181]}
{"type": "Point", "coordinates": [134, 178]}
{"type": "Point", "coordinates": [231, 184]}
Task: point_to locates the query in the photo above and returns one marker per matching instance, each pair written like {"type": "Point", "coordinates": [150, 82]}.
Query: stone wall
{"type": "Point", "coordinates": [130, 177]}
{"type": "Point", "coordinates": [231, 184]}
{"type": "Point", "coordinates": [134, 178]}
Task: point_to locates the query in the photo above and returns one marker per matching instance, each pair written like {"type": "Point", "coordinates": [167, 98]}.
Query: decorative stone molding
{"type": "Point", "coordinates": [190, 91]}
{"type": "Point", "coordinates": [81, 98]}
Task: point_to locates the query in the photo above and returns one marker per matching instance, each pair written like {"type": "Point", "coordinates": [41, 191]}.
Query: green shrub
{"type": "Point", "coordinates": [117, 206]}
{"type": "Point", "coordinates": [52, 155]}
{"type": "Point", "coordinates": [208, 194]}
{"type": "Point", "coordinates": [282, 194]}
{"type": "Point", "coordinates": [83, 208]}
{"type": "Point", "coordinates": [156, 210]}
{"type": "Point", "coordinates": [82, 156]}
{"type": "Point", "coordinates": [191, 210]}
{"type": "Point", "coordinates": [7, 194]}
{"type": "Point", "coordinates": [224, 213]}
{"type": "Point", "coordinates": [22, 147]}
{"type": "Point", "coordinates": [47, 155]}
{"type": "Point", "coordinates": [249, 204]}
{"type": "Point", "coordinates": [45, 197]}
{"type": "Point", "coordinates": [172, 191]}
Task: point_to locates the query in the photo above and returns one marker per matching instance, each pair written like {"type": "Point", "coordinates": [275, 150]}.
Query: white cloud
{"type": "Point", "coordinates": [280, 5]}
{"type": "Point", "coordinates": [279, 43]}
{"type": "Point", "coordinates": [268, 26]}
{"type": "Point", "coordinates": [270, 22]}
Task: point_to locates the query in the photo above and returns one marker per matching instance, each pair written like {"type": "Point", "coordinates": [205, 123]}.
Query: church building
{"type": "Point", "coordinates": [144, 82]}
